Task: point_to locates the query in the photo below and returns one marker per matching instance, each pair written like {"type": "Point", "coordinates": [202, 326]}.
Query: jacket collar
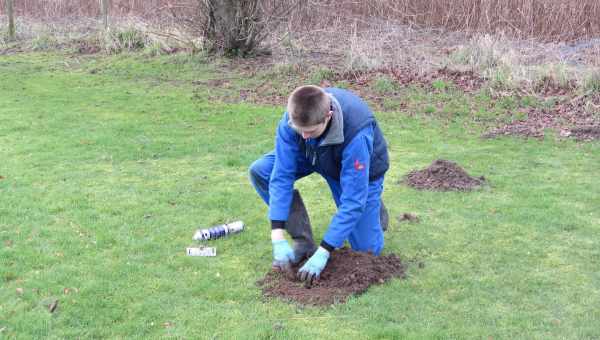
{"type": "Point", "coordinates": [335, 134]}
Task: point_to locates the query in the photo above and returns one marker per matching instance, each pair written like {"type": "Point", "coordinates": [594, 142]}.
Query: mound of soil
{"type": "Point", "coordinates": [443, 175]}
{"type": "Point", "coordinates": [347, 273]}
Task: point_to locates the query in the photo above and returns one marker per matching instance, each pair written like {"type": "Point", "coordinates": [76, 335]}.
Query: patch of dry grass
{"type": "Point", "coordinates": [86, 35]}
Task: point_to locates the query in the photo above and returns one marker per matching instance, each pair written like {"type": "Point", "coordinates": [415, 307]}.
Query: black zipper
{"type": "Point", "coordinates": [311, 153]}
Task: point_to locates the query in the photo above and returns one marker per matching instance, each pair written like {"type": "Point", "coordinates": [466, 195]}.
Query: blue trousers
{"type": "Point", "coordinates": [366, 236]}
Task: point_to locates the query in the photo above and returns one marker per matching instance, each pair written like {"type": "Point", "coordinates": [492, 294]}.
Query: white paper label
{"type": "Point", "coordinates": [204, 251]}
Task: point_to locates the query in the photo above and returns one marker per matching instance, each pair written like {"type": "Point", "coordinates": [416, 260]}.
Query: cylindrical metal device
{"type": "Point", "coordinates": [218, 231]}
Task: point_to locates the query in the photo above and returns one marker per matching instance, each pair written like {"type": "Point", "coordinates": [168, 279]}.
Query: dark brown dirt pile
{"type": "Point", "coordinates": [443, 175]}
{"type": "Point", "coordinates": [347, 273]}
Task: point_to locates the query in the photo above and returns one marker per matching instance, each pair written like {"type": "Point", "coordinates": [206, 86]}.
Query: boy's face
{"type": "Point", "coordinates": [314, 131]}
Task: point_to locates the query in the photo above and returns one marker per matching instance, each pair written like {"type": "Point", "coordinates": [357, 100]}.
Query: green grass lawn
{"type": "Point", "coordinates": [109, 164]}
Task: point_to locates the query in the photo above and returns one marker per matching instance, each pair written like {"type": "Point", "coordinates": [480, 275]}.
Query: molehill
{"type": "Point", "coordinates": [347, 273]}
{"type": "Point", "coordinates": [443, 175]}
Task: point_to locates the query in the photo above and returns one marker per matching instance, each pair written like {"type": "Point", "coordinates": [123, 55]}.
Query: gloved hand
{"type": "Point", "coordinates": [283, 254]}
{"type": "Point", "coordinates": [313, 267]}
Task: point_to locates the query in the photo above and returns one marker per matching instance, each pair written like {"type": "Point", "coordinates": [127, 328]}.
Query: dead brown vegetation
{"type": "Point", "coordinates": [545, 19]}
{"type": "Point", "coordinates": [48, 9]}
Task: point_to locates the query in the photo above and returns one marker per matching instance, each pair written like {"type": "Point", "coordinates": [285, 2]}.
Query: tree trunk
{"type": "Point", "coordinates": [11, 19]}
{"type": "Point", "coordinates": [104, 8]}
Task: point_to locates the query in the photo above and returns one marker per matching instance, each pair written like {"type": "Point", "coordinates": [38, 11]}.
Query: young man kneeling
{"type": "Point", "coordinates": [332, 132]}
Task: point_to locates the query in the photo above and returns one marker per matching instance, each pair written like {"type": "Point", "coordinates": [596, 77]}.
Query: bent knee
{"type": "Point", "coordinates": [256, 173]}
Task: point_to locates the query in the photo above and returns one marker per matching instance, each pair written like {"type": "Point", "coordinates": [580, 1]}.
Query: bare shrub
{"type": "Point", "coordinates": [235, 27]}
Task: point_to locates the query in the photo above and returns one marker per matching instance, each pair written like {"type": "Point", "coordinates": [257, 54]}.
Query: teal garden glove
{"type": "Point", "coordinates": [283, 254]}
{"type": "Point", "coordinates": [314, 266]}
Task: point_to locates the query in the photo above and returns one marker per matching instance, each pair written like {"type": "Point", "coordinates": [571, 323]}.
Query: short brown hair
{"type": "Point", "coordinates": [308, 105]}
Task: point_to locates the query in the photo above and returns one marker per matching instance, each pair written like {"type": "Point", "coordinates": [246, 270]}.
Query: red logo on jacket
{"type": "Point", "coordinates": [358, 166]}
